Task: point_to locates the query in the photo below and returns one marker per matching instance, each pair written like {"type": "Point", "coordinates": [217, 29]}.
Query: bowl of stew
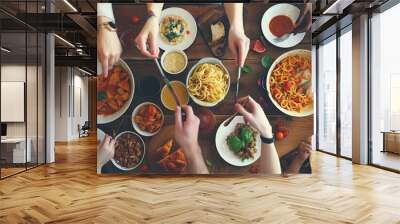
{"type": "Point", "coordinates": [147, 119]}
{"type": "Point", "coordinates": [114, 93]}
{"type": "Point", "coordinates": [129, 151]}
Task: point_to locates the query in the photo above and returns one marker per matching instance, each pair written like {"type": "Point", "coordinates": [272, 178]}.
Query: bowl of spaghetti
{"type": "Point", "coordinates": [289, 83]}
{"type": "Point", "coordinates": [208, 82]}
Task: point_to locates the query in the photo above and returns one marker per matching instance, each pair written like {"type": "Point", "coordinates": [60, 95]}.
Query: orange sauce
{"type": "Point", "coordinates": [168, 99]}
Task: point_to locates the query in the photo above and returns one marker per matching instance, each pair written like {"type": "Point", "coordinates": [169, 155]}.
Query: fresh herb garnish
{"type": "Point", "coordinates": [266, 61]}
{"type": "Point", "coordinates": [247, 69]}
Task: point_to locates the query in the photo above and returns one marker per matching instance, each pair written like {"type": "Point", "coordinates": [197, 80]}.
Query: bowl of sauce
{"type": "Point", "coordinates": [281, 25]}
{"type": "Point", "coordinates": [278, 24]}
{"type": "Point", "coordinates": [174, 61]}
{"type": "Point", "coordinates": [167, 98]}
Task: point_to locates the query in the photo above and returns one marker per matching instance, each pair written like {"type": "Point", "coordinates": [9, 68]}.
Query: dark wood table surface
{"type": "Point", "coordinates": [299, 128]}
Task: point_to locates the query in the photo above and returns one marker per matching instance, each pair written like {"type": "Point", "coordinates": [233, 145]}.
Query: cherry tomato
{"type": "Point", "coordinates": [279, 135]}
{"type": "Point", "coordinates": [135, 19]}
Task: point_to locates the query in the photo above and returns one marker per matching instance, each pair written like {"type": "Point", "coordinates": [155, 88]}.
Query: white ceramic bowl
{"type": "Point", "coordinates": [223, 148]}
{"type": "Point", "coordinates": [211, 61]}
{"type": "Point", "coordinates": [170, 51]}
{"type": "Point", "coordinates": [285, 9]}
{"type": "Point", "coordinates": [308, 111]}
{"type": "Point", "coordinates": [137, 128]}
{"type": "Point", "coordinates": [143, 155]}
{"type": "Point", "coordinates": [103, 119]}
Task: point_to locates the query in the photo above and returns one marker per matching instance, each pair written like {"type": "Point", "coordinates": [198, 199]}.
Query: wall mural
{"type": "Point", "coordinates": [236, 113]}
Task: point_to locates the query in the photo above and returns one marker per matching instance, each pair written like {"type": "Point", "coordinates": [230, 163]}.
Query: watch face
{"type": "Point", "coordinates": [112, 25]}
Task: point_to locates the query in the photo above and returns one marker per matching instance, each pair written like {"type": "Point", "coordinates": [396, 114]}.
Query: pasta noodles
{"type": "Point", "coordinates": [208, 83]}
{"type": "Point", "coordinates": [286, 83]}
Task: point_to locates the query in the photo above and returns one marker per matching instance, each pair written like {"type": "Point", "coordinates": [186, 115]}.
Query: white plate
{"type": "Point", "coordinates": [308, 111]}
{"type": "Point", "coordinates": [103, 119]}
{"type": "Point", "coordinates": [211, 61]}
{"type": "Point", "coordinates": [173, 11]}
{"type": "Point", "coordinates": [223, 148]}
{"type": "Point", "coordinates": [281, 9]}
{"type": "Point", "coordinates": [143, 155]}
{"type": "Point", "coordinates": [136, 127]}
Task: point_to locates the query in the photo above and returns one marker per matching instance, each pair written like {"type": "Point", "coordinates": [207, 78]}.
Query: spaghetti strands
{"type": "Point", "coordinates": [208, 83]}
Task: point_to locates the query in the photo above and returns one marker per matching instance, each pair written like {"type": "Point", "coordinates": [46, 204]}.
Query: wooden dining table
{"type": "Point", "coordinates": [300, 128]}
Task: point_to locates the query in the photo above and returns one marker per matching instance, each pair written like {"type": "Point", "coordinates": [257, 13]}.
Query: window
{"type": "Point", "coordinates": [346, 93]}
{"type": "Point", "coordinates": [385, 89]}
{"type": "Point", "coordinates": [327, 96]}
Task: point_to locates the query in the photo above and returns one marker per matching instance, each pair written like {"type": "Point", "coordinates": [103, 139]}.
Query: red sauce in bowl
{"type": "Point", "coordinates": [281, 25]}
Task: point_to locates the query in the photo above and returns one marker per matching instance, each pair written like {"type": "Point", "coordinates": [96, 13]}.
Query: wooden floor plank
{"type": "Point", "coordinates": [70, 191]}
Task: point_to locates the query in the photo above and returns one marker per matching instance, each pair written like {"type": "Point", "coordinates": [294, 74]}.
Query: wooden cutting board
{"type": "Point", "coordinates": [204, 23]}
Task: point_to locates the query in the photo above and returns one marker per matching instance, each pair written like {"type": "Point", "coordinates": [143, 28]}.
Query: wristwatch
{"type": "Point", "coordinates": [110, 26]}
{"type": "Point", "coordinates": [268, 140]}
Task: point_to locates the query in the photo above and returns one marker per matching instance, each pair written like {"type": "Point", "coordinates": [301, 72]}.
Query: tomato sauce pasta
{"type": "Point", "coordinates": [287, 83]}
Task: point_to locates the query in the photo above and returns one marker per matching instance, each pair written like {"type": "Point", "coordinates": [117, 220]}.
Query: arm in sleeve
{"type": "Point", "coordinates": [105, 9]}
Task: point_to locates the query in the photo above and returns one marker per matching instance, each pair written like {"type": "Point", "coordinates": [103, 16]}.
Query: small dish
{"type": "Point", "coordinates": [137, 127]}
{"type": "Point", "coordinates": [282, 9]}
{"type": "Point", "coordinates": [174, 61]}
{"type": "Point", "coordinates": [168, 100]}
{"type": "Point", "coordinates": [118, 153]}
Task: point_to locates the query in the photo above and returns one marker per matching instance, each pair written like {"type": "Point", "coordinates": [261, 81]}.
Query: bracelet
{"type": "Point", "coordinates": [268, 140]}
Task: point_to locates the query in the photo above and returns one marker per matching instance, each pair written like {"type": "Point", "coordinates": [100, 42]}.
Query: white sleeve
{"type": "Point", "coordinates": [105, 9]}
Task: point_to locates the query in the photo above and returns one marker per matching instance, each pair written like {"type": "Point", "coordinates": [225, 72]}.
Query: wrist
{"type": "Point", "coordinates": [237, 26]}
{"type": "Point", "coordinates": [193, 152]}
{"type": "Point", "coordinates": [266, 132]}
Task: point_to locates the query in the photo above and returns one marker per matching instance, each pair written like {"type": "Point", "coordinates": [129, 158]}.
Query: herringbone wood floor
{"type": "Point", "coordinates": [69, 191]}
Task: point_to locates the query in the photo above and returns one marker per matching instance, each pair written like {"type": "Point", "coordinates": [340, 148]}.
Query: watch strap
{"type": "Point", "coordinates": [268, 140]}
{"type": "Point", "coordinates": [110, 26]}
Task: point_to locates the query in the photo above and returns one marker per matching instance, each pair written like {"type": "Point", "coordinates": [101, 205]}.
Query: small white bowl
{"type": "Point", "coordinates": [211, 61]}
{"type": "Point", "coordinates": [170, 51]}
{"type": "Point", "coordinates": [137, 128]}
{"type": "Point", "coordinates": [143, 155]}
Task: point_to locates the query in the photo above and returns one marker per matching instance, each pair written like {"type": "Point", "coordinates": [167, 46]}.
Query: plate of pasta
{"type": "Point", "coordinates": [289, 83]}
{"type": "Point", "coordinates": [208, 82]}
{"type": "Point", "coordinates": [178, 29]}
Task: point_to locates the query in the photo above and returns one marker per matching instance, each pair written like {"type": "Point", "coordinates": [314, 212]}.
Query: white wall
{"type": "Point", "coordinates": [34, 125]}
{"type": "Point", "coordinates": [69, 85]}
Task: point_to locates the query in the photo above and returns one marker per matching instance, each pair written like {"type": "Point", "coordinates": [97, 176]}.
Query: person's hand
{"type": "Point", "coordinates": [105, 151]}
{"type": "Point", "coordinates": [304, 150]}
{"type": "Point", "coordinates": [238, 44]}
{"type": "Point", "coordinates": [187, 132]}
{"type": "Point", "coordinates": [254, 115]}
{"type": "Point", "coordinates": [146, 40]}
{"type": "Point", "coordinates": [186, 135]}
{"type": "Point", "coordinates": [108, 48]}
